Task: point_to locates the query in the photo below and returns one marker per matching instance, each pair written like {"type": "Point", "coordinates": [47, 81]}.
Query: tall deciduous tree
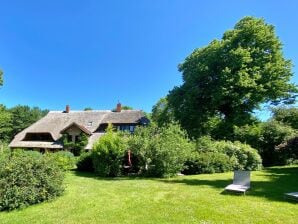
{"type": "Point", "coordinates": [231, 77]}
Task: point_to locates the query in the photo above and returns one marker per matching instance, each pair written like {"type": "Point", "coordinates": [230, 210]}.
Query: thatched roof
{"type": "Point", "coordinates": [56, 121]}
{"type": "Point", "coordinates": [92, 139]}
{"type": "Point", "coordinates": [36, 144]}
{"type": "Point", "coordinates": [81, 127]}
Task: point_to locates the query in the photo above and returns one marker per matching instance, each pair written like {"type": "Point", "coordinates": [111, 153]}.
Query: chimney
{"type": "Point", "coordinates": [67, 109]}
{"type": "Point", "coordinates": [119, 107]}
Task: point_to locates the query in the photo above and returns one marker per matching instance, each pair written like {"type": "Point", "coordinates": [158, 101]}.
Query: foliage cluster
{"type": "Point", "coordinates": [108, 152]}
{"type": "Point", "coordinates": [288, 151]}
{"type": "Point", "coordinates": [85, 163]}
{"type": "Point", "coordinates": [265, 137]}
{"type": "Point", "coordinates": [220, 156]}
{"type": "Point", "coordinates": [160, 151]}
{"type": "Point", "coordinates": [27, 177]}
{"type": "Point", "coordinates": [17, 118]}
{"type": "Point", "coordinates": [64, 159]}
{"type": "Point", "coordinates": [76, 147]}
{"type": "Point", "coordinates": [286, 115]}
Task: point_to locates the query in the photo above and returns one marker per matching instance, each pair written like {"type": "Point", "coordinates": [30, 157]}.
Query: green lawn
{"type": "Point", "coordinates": [184, 199]}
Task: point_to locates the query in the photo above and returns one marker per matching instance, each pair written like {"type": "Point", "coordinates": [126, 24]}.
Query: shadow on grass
{"type": "Point", "coordinates": [271, 183]}
{"type": "Point", "coordinates": [94, 176]}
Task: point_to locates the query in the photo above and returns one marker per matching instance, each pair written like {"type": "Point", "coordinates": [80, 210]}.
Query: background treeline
{"type": "Point", "coordinates": [275, 139]}
{"type": "Point", "coordinates": [15, 119]}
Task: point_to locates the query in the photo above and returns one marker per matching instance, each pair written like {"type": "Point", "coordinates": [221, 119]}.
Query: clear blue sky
{"type": "Point", "coordinates": [94, 53]}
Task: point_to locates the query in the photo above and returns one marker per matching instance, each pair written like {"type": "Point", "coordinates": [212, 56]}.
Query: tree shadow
{"type": "Point", "coordinates": [281, 180]}
{"type": "Point", "coordinates": [272, 183]}
{"type": "Point", "coordinates": [195, 182]}
{"type": "Point", "coordinates": [275, 181]}
{"type": "Point", "coordinates": [120, 178]}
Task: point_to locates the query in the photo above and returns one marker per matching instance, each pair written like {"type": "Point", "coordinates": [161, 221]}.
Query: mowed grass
{"type": "Point", "coordinates": [184, 199]}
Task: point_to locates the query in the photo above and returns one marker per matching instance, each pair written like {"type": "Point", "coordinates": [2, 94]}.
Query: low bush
{"type": "Point", "coordinates": [85, 163]}
{"type": "Point", "coordinates": [28, 178]}
{"type": "Point", "coordinates": [245, 156]}
{"type": "Point", "coordinates": [221, 156]}
{"type": "Point", "coordinates": [64, 159]}
{"type": "Point", "coordinates": [108, 153]}
{"type": "Point", "coordinates": [208, 162]}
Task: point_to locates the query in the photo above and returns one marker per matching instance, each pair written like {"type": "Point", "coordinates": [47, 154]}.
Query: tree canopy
{"type": "Point", "coordinates": [17, 118]}
{"type": "Point", "coordinates": [231, 77]}
{"type": "Point", "coordinates": [123, 107]}
{"type": "Point", "coordinates": [161, 112]}
{"type": "Point", "coordinates": [288, 116]}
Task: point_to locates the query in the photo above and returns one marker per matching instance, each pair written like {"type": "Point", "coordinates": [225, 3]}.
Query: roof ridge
{"type": "Point", "coordinates": [78, 111]}
{"type": "Point", "coordinates": [91, 111]}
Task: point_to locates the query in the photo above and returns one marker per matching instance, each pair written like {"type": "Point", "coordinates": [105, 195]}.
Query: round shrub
{"type": "Point", "coordinates": [26, 179]}
{"type": "Point", "coordinates": [247, 158]}
{"type": "Point", "coordinates": [108, 152]}
{"type": "Point", "coordinates": [221, 156]}
{"type": "Point", "coordinates": [64, 159]}
{"type": "Point", "coordinates": [208, 162]}
{"type": "Point", "coordinates": [85, 163]}
{"type": "Point", "coordinates": [161, 152]}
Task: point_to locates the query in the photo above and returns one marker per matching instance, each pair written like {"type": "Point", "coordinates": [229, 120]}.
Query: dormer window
{"type": "Point", "coordinates": [89, 124]}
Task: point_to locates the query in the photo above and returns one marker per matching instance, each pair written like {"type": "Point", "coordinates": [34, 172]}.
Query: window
{"type": "Point", "coordinates": [132, 128]}
{"type": "Point", "coordinates": [38, 137]}
{"type": "Point", "coordinates": [129, 128]}
{"type": "Point", "coordinates": [89, 124]}
{"type": "Point", "coordinates": [69, 138]}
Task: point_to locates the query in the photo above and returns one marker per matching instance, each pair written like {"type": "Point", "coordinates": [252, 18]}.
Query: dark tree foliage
{"type": "Point", "coordinates": [231, 77]}
{"type": "Point", "coordinates": [288, 116]}
{"type": "Point", "coordinates": [15, 119]}
{"type": "Point", "coordinates": [266, 137]}
{"type": "Point", "coordinates": [162, 114]}
{"type": "Point", "coordinates": [288, 151]}
{"type": "Point", "coordinates": [24, 116]}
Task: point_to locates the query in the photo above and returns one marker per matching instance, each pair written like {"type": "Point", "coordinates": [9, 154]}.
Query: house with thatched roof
{"type": "Point", "coordinates": [45, 134]}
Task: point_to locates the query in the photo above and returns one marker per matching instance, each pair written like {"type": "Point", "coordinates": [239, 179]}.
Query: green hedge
{"type": "Point", "coordinates": [64, 159]}
{"type": "Point", "coordinates": [208, 162]}
{"type": "Point", "coordinates": [28, 178]}
{"type": "Point", "coordinates": [221, 156]}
